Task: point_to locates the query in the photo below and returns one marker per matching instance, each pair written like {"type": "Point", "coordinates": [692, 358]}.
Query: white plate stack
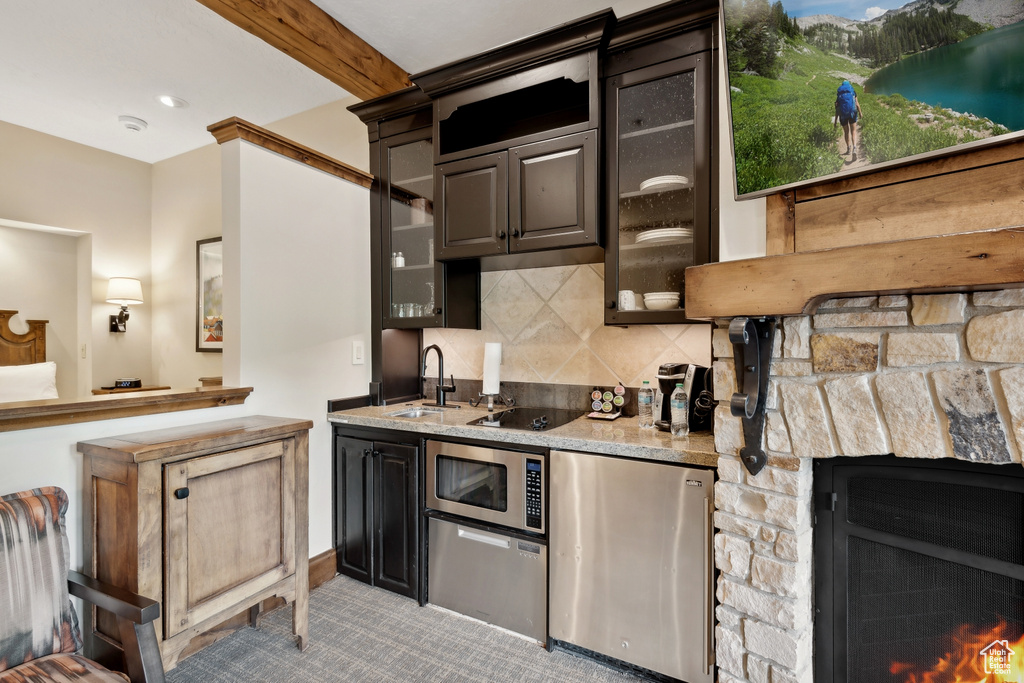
{"type": "Point", "coordinates": [664, 235]}
{"type": "Point", "coordinates": [664, 183]}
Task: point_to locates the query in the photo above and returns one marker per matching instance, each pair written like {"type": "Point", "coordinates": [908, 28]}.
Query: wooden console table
{"type": "Point", "coordinates": [208, 520]}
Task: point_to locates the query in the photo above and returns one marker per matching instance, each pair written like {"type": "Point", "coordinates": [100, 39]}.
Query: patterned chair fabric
{"type": "Point", "coordinates": [36, 615]}
{"type": "Point", "coordinates": [61, 669]}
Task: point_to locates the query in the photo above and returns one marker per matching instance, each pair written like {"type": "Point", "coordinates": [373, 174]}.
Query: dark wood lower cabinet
{"type": "Point", "coordinates": [376, 512]}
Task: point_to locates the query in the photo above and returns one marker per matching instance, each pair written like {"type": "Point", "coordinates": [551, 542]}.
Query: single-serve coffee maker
{"type": "Point", "coordinates": [694, 379]}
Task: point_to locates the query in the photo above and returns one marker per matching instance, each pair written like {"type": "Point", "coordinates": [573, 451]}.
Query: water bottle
{"type": "Point", "coordinates": [645, 405]}
{"type": "Point", "coordinates": [680, 404]}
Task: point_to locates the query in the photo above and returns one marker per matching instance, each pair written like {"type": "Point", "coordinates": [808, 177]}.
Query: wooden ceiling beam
{"type": "Point", "coordinates": [314, 38]}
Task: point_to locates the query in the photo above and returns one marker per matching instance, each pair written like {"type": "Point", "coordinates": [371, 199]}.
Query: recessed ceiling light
{"type": "Point", "coordinates": [173, 102]}
{"type": "Point", "coordinates": [132, 123]}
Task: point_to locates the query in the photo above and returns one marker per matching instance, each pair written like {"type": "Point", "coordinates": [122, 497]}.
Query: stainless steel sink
{"type": "Point", "coordinates": [414, 412]}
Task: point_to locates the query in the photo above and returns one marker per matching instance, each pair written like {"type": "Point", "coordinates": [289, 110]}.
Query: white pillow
{"type": "Point", "coordinates": [28, 382]}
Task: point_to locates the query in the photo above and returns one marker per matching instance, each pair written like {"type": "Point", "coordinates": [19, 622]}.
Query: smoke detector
{"type": "Point", "coordinates": [132, 123]}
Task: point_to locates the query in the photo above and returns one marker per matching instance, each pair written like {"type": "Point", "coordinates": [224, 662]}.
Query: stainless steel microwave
{"type": "Point", "coordinates": [507, 488]}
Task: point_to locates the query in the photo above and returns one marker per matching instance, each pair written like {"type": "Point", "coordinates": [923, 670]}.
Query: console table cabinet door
{"type": "Point", "coordinates": [229, 529]}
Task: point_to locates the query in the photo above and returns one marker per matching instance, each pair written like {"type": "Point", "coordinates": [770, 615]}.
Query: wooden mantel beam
{"type": "Point", "coordinates": [308, 34]}
{"type": "Point", "coordinates": [794, 284]}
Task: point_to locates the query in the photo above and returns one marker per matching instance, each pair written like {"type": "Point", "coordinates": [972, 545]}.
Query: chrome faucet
{"type": "Point", "coordinates": [441, 388]}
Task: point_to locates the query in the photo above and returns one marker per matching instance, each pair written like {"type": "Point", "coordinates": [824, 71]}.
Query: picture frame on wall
{"type": "Point", "coordinates": [820, 91]}
{"type": "Point", "coordinates": [209, 295]}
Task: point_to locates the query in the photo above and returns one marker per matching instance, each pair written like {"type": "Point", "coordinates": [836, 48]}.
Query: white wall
{"type": "Point", "coordinates": [186, 209]}
{"type": "Point", "coordinates": [331, 130]}
{"type": "Point", "coordinates": [39, 279]}
{"type": "Point", "coordinates": [297, 290]}
{"type": "Point", "coordinates": [49, 181]}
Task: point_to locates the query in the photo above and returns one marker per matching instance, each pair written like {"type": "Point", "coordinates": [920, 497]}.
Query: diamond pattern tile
{"type": "Point", "coordinates": [585, 368]}
{"type": "Point", "coordinates": [515, 367]}
{"type": "Point", "coordinates": [574, 302]}
{"type": "Point", "coordinates": [546, 343]}
{"type": "Point", "coordinates": [628, 350]}
{"type": "Point", "coordinates": [511, 304]}
{"type": "Point", "coordinates": [695, 344]}
{"type": "Point", "coordinates": [565, 340]}
{"type": "Point", "coordinates": [547, 281]}
{"type": "Point", "coordinates": [488, 280]}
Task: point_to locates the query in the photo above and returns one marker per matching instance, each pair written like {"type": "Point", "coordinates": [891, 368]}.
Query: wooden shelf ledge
{"type": "Point", "coordinates": [794, 284]}
{"type": "Point", "coordinates": [48, 413]}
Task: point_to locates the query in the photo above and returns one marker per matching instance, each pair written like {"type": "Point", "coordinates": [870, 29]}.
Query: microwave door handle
{"type": "Point", "coordinates": [483, 537]}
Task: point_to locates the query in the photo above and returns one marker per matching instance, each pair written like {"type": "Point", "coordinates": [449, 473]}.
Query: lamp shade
{"type": "Point", "coordinates": [124, 291]}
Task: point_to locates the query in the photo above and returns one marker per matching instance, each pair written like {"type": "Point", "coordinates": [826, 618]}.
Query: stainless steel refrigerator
{"type": "Point", "coordinates": [630, 561]}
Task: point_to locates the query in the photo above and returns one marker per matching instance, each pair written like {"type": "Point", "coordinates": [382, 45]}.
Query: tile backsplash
{"type": "Point", "coordinates": [550, 322]}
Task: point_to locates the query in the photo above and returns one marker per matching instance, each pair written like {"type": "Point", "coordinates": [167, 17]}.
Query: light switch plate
{"type": "Point", "coordinates": [358, 356]}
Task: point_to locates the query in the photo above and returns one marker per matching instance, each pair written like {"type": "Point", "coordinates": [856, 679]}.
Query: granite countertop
{"type": "Point", "coordinates": [622, 436]}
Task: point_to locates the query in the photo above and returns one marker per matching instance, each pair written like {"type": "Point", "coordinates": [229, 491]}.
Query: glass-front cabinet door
{"type": "Point", "coordinates": [412, 276]}
{"type": "Point", "coordinates": [658, 146]}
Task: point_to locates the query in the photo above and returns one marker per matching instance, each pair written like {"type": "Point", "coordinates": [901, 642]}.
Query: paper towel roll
{"type": "Point", "coordinates": [492, 367]}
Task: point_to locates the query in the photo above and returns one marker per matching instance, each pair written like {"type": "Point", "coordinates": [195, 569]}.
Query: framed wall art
{"type": "Point", "coordinates": [209, 295]}
{"type": "Point", "coordinates": [821, 89]}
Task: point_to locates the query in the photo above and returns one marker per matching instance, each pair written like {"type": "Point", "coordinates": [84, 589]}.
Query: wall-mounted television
{"type": "Point", "coordinates": [822, 89]}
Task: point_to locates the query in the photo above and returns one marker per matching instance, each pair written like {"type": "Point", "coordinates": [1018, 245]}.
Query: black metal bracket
{"type": "Point", "coordinates": [752, 340]}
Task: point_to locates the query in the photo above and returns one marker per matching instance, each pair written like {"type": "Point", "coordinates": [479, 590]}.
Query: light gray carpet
{"type": "Point", "coordinates": [359, 633]}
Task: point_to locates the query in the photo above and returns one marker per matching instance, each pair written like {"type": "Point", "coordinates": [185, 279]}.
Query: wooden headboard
{"type": "Point", "coordinates": [22, 349]}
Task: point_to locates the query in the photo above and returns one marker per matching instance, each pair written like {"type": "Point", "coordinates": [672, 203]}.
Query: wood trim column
{"type": "Point", "coordinates": [236, 128]}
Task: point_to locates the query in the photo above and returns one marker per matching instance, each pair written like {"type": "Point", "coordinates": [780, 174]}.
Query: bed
{"type": "Point", "coordinates": [25, 375]}
{"type": "Point", "coordinates": [22, 349]}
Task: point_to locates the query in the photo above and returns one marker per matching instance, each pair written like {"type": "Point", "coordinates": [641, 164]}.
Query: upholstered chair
{"type": "Point", "coordinates": [39, 635]}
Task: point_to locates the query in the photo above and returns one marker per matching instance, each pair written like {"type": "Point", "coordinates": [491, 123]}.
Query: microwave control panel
{"type": "Point", "coordinates": [534, 494]}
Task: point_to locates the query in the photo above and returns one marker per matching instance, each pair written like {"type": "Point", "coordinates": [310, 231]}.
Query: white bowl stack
{"type": "Point", "coordinates": [661, 301]}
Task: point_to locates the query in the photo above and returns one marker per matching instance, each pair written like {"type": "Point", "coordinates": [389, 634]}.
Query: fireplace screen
{"type": "Point", "coordinates": [920, 572]}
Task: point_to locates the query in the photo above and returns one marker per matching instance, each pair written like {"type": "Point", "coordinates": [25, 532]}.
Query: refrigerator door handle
{"type": "Point", "coordinates": [709, 633]}
{"type": "Point", "coordinates": [484, 537]}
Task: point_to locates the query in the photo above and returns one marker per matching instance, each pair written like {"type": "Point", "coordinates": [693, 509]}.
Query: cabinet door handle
{"type": "Point", "coordinates": [182, 493]}
{"type": "Point", "coordinates": [501, 235]}
{"type": "Point", "coordinates": [611, 304]}
{"type": "Point", "coordinates": [515, 232]}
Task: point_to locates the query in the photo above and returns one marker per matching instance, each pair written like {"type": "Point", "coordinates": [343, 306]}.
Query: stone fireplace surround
{"type": "Point", "coordinates": [920, 376]}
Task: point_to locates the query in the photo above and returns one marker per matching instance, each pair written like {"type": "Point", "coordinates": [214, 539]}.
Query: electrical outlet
{"type": "Point", "coordinates": [83, 350]}
{"type": "Point", "coordinates": [358, 357]}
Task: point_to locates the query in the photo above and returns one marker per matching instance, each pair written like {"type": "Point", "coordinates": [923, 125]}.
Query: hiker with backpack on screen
{"type": "Point", "coordinates": [847, 113]}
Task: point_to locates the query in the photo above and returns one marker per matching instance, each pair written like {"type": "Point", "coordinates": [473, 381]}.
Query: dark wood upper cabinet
{"type": "Point", "coordinates": [540, 103]}
{"type": "Point", "coordinates": [660, 177]}
{"type": "Point", "coordinates": [534, 197]}
{"type": "Point", "coordinates": [472, 206]}
{"type": "Point", "coordinates": [553, 193]}
{"type": "Point", "coordinates": [418, 290]}
{"type": "Point", "coordinates": [516, 144]}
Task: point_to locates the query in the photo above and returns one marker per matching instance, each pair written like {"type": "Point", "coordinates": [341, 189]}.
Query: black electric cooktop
{"type": "Point", "coordinates": [524, 417]}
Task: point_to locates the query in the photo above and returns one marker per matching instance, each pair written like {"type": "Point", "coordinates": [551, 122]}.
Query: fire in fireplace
{"type": "Point", "coordinates": [977, 656]}
{"type": "Point", "coordinates": [919, 574]}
